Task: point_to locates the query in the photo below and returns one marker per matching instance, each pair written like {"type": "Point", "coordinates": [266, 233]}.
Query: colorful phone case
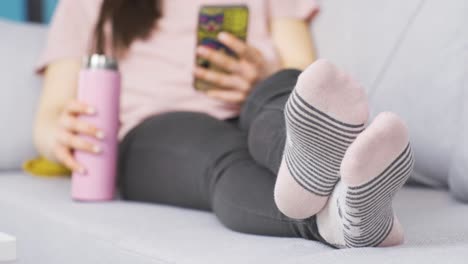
{"type": "Point", "coordinates": [211, 21]}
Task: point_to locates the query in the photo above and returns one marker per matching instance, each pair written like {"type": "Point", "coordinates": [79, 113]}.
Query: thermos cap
{"type": "Point", "coordinates": [100, 61]}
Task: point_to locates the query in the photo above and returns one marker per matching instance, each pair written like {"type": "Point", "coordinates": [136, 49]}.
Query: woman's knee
{"type": "Point", "coordinates": [281, 81]}
{"type": "Point", "coordinates": [273, 88]}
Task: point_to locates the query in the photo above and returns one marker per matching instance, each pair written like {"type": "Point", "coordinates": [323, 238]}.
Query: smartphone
{"type": "Point", "coordinates": [212, 20]}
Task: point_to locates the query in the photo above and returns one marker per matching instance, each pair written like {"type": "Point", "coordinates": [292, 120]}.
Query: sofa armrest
{"type": "Point", "coordinates": [20, 46]}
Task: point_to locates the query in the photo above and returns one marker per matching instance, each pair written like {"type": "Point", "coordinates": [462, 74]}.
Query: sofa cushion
{"type": "Point", "coordinates": [458, 175]}
{"type": "Point", "coordinates": [412, 57]}
{"type": "Point", "coordinates": [51, 228]}
{"type": "Point", "coordinates": [19, 90]}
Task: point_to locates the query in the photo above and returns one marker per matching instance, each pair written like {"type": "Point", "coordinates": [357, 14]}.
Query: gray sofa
{"type": "Point", "coordinates": [410, 54]}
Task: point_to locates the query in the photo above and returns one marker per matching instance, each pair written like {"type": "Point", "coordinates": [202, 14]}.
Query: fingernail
{"type": "Point", "coordinates": [201, 50]}
{"type": "Point", "coordinates": [100, 135]}
{"type": "Point", "coordinates": [223, 36]}
{"type": "Point", "coordinates": [90, 110]}
{"type": "Point", "coordinates": [96, 149]}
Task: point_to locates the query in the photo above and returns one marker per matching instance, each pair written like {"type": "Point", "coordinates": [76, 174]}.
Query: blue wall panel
{"type": "Point", "coordinates": [13, 9]}
{"type": "Point", "coordinates": [48, 9]}
{"type": "Point", "coordinates": [17, 9]}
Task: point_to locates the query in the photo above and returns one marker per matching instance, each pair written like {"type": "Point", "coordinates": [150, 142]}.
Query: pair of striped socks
{"type": "Point", "coordinates": [338, 169]}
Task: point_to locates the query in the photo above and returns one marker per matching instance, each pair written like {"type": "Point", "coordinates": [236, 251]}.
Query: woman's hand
{"type": "Point", "coordinates": [241, 75]}
{"type": "Point", "coordinates": [67, 137]}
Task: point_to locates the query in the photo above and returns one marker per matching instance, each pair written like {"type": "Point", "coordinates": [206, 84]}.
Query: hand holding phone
{"type": "Point", "coordinates": [211, 22]}
{"type": "Point", "coordinates": [228, 69]}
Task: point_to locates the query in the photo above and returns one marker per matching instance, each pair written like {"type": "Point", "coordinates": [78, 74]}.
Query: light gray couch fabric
{"type": "Point", "coordinates": [51, 229]}
{"type": "Point", "coordinates": [412, 57]}
{"type": "Point", "coordinates": [458, 178]}
{"type": "Point", "coordinates": [20, 46]}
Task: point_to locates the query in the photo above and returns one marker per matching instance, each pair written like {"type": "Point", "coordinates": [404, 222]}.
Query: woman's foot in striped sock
{"type": "Point", "coordinates": [359, 212]}
{"type": "Point", "coordinates": [324, 114]}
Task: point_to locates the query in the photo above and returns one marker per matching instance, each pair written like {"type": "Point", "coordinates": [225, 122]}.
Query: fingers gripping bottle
{"type": "Point", "coordinates": [99, 87]}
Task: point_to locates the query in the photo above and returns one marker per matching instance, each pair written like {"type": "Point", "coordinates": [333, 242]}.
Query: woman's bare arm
{"type": "Point", "coordinates": [293, 42]}
{"type": "Point", "coordinates": [59, 88]}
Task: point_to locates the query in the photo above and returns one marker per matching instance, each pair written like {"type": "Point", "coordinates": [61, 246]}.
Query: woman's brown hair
{"type": "Point", "coordinates": [129, 20]}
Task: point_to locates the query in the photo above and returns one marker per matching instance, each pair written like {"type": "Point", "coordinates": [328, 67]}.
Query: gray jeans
{"type": "Point", "coordinates": [192, 160]}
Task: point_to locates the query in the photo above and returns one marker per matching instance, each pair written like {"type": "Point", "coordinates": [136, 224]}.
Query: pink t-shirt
{"type": "Point", "coordinates": [157, 73]}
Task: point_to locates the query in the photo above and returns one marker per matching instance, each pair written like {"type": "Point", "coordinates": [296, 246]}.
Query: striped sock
{"type": "Point", "coordinates": [359, 212]}
{"type": "Point", "coordinates": [324, 114]}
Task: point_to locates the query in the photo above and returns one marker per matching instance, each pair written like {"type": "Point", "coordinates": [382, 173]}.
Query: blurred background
{"type": "Point", "coordinates": [39, 11]}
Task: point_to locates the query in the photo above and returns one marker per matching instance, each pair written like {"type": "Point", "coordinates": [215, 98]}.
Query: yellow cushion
{"type": "Point", "coordinates": [43, 167]}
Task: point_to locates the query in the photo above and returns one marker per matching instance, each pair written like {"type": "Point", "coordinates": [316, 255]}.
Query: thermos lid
{"type": "Point", "coordinates": [100, 61]}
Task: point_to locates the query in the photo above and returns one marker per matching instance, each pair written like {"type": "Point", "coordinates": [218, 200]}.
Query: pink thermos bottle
{"type": "Point", "coordinates": [99, 87]}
